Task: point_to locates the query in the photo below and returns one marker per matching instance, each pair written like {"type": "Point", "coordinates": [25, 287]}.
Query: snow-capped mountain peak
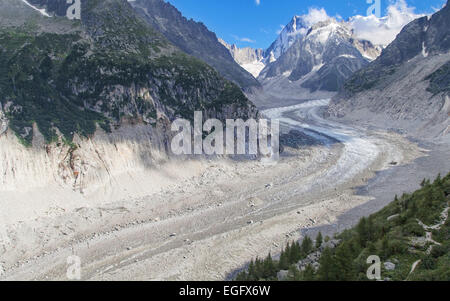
{"type": "Point", "coordinates": [323, 58]}
{"type": "Point", "coordinates": [288, 35]}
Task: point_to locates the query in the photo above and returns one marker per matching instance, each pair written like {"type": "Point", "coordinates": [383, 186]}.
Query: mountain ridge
{"type": "Point", "coordinates": [194, 38]}
{"type": "Point", "coordinates": [408, 83]}
{"type": "Point", "coordinates": [112, 69]}
{"type": "Point", "coordinates": [323, 58]}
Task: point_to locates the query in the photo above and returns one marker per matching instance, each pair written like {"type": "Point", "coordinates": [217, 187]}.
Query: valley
{"type": "Point", "coordinates": [216, 218]}
{"type": "Point", "coordinates": [87, 109]}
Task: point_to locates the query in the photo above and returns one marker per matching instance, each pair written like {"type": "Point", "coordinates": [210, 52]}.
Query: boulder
{"type": "Point", "coordinates": [389, 266]}
{"type": "Point", "coordinates": [282, 275]}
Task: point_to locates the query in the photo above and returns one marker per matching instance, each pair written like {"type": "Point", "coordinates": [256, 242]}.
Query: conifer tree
{"type": "Point", "coordinates": [362, 232]}
{"type": "Point", "coordinates": [344, 262]}
{"type": "Point", "coordinates": [308, 274]}
{"type": "Point", "coordinates": [319, 240]}
{"type": "Point", "coordinates": [306, 247]}
{"type": "Point", "coordinates": [327, 267]}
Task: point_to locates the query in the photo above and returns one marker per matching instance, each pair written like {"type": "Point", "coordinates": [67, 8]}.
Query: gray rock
{"type": "Point", "coordinates": [389, 266]}
{"type": "Point", "coordinates": [333, 243]}
{"type": "Point", "coordinates": [282, 275]}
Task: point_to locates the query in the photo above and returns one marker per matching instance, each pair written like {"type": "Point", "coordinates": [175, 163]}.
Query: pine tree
{"type": "Point", "coordinates": [385, 247]}
{"type": "Point", "coordinates": [438, 181]}
{"type": "Point", "coordinates": [362, 232]}
{"type": "Point", "coordinates": [398, 205]}
{"type": "Point", "coordinates": [294, 274]}
{"type": "Point", "coordinates": [251, 271]}
{"type": "Point", "coordinates": [371, 231]}
{"type": "Point", "coordinates": [424, 182]}
{"type": "Point", "coordinates": [327, 269]}
{"type": "Point", "coordinates": [308, 274]}
{"type": "Point", "coordinates": [344, 263]}
{"type": "Point", "coordinates": [306, 247]}
{"type": "Point", "coordinates": [258, 269]}
{"type": "Point", "coordinates": [319, 240]}
{"type": "Point", "coordinates": [284, 261]}
{"type": "Point", "coordinates": [270, 269]}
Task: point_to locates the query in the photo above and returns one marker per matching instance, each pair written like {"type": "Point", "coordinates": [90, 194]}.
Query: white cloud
{"type": "Point", "coordinates": [314, 16]}
{"type": "Point", "coordinates": [247, 40]}
{"type": "Point", "coordinates": [382, 31]}
{"type": "Point", "coordinates": [258, 2]}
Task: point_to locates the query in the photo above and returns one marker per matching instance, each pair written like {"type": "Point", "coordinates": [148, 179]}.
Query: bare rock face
{"type": "Point", "coordinates": [3, 122]}
{"type": "Point", "coordinates": [252, 60]}
{"type": "Point", "coordinates": [244, 55]}
{"type": "Point", "coordinates": [282, 275]}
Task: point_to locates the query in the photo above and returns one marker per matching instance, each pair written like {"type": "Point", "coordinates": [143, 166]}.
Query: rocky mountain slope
{"type": "Point", "coordinates": [80, 87]}
{"type": "Point", "coordinates": [323, 58]}
{"type": "Point", "coordinates": [407, 87]}
{"type": "Point", "coordinates": [193, 38]}
{"type": "Point", "coordinates": [293, 31]}
{"type": "Point", "coordinates": [250, 59]}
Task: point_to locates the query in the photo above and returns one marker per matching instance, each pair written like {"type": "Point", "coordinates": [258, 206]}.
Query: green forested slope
{"type": "Point", "coordinates": [412, 231]}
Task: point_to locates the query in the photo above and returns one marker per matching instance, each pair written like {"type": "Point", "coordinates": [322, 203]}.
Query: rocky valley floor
{"type": "Point", "coordinates": [210, 217]}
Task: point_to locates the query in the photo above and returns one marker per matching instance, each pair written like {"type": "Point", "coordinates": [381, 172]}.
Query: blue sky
{"type": "Point", "coordinates": [245, 23]}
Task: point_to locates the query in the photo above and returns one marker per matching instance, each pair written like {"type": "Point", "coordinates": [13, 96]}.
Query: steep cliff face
{"type": "Point", "coordinates": [71, 89]}
{"type": "Point", "coordinates": [194, 39]}
{"type": "Point", "coordinates": [293, 31]}
{"type": "Point", "coordinates": [407, 86]}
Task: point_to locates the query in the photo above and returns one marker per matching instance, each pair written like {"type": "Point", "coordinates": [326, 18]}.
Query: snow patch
{"type": "Point", "coordinates": [348, 56]}
{"type": "Point", "coordinates": [424, 50]}
{"type": "Point", "coordinates": [254, 68]}
{"type": "Point", "coordinates": [41, 11]}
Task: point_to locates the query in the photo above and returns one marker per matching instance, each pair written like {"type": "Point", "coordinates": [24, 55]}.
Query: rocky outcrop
{"type": "Point", "coordinates": [85, 164]}
{"type": "Point", "coordinates": [244, 55]}
{"type": "Point", "coordinates": [3, 122]}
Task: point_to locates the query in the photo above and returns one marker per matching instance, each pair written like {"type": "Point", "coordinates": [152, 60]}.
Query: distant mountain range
{"type": "Point", "coordinates": [320, 55]}
{"type": "Point", "coordinates": [323, 58]}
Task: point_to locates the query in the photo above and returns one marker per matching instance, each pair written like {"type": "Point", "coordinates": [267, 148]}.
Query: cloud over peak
{"type": "Point", "coordinates": [382, 31]}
